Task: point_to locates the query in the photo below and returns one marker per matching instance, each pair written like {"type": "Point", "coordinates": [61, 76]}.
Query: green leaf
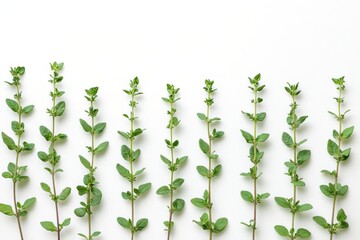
{"type": "Point", "coordinates": [64, 194]}
{"type": "Point", "coordinates": [59, 108]}
{"type": "Point", "coordinates": [123, 171]}
{"type": "Point", "coordinates": [141, 224]}
{"type": "Point", "coordinates": [124, 222]}
{"type": "Point", "coordinates": [164, 190]}
{"type": "Point", "coordinates": [204, 146]}
{"type": "Point", "coordinates": [99, 128]}
{"type": "Point", "coordinates": [137, 173]}
{"type": "Point", "coordinates": [203, 171]}
{"type": "Point", "coordinates": [347, 132]}
{"type": "Point", "coordinates": [301, 120]}
{"type": "Point", "coordinates": [262, 137]}
{"type": "Point", "coordinates": [29, 202]}
{"type": "Point", "coordinates": [81, 190]}
{"type": "Point", "coordinates": [282, 231]}
{"type": "Point", "coordinates": [49, 226]}
{"type": "Point", "coordinates": [143, 188]}
{"type": "Point", "coordinates": [327, 191]}
{"type": "Point", "coordinates": [178, 205]}
{"type": "Point", "coordinates": [9, 142]}
{"type": "Point", "coordinates": [165, 160]}
{"type": "Point", "coordinates": [95, 234]}
{"type": "Point", "coordinates": [248, 137]}
{"type": "Point", "coordinates": [217, 170]}
{"type": "Point", "coordinates": [66, 222]}
{"type": "Point", "coordinates": [282, 202]}
{"type": "Point", "coordinates": [45, 187]}
{"type": "Point", "coordinates": [247, 196]}
{"type": "Point", "coordinates": [260, 116]}
{"type": "Point", "coordinates": [6, 209]}
{"type": "Point", "coordinates": [304, 207]}
{"type": "Point", "coordinates": [199, 202]}
{"type": "Point", "coordinates": [303, 156]}
{"type": "Point", "coordinates": [13, 105]}
{"type": "Point", "coordinates": [220, 225]}
{"type": "Point", "coordinates": [102, 147]}
{"type": "Point", "coordinates": [80, 212]}
{"type": "Point", "coordinates": [321, 221]}
{"type": "Point", "coordinates": [343, 190]}
{"type": "Point", "coordinates": [85, 162]}
{"type": "Point", "coordinates": [7, 175]}
{"type": "Point", "coordinates": [202, 116]}
{"type": "Point", "coordinates": [85, 126]}
{"type": "Point", "coordinates": [177, 183]}
{"type": "Point", "coordinates": [332, 148]}
{"type": "Point", "coordinates": [287, 140]}
{"type": "Point", "coordinates": [46, 133]}
{"type": "Point", "coordinates": [43, 156]}
{"type": "Point", "coordinates": [341, 216]}
{"type": "Point", "coordinates": [28, 109]}
{"type": "Point", "coordinates": [125, 152]}
{"type": "Point", "coordinates": [303, 233]}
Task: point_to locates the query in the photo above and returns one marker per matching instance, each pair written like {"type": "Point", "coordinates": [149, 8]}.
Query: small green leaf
{"type": "Point", "coordinates": [341, 216]}
{"type": "Point", "coordinates": [102, 147]}
{"type": "Point", "coordinates": [202, 116]}
{"type": "Point", "coordinates": [262, 137]}
{"type": "Point", "coordinates": [287, 140]}
{"type": "Point", "coordinates": [347, 133]}
{"type": "Point", "coordinates": [282, 231]}
{"type": "Point", "coordinates": [203, 171]}
{"type": "Point", "coordinates": [332, 148]}
{"type": "Point", "coordinates": [304, 207]}
{"type": "Point", "coordinates": [6, 209]}
{"type": "Point", "coordinates": [13, 105]}
{"type": "Point", "coordinates": [217, 170]}
{"type": "Point", "coordinates": [248, 137]}
{"type": "Point", "coordinates": [247, 196]}
{"type": "Point", "coordinates": [66, 222]}
{"type": "Point", "coordinates": [204, 146]}
{"type": "Point", "coordinates": [178, 205]}
{"type": "Point", "coordinates": [125, 152]}
{"type": "Point", "coordinates": [46, 133]}
{"type": "Point", "coordinates": [28, 109]}
{"type": "Point", "coordinates": [9, 142]}
{"type": "Point", "coordinates": [177, 183]}
{"type": "Point", "coordinates": [303, 233]}
{"type": "Point", "coordinates": [282, 202]}
{"type": "Point", "coordinates": [199, 202]}
{"type": "Point", "coordinates": [59, 108]}
{"type": "Point", "coordinates": [124, 222]}
{"type": "Point", "coordinates": [141, 224]}
{"type": "Point", "coordinates": [321, 221]}
{"type": "Point", "coordinates": [64, 194]}
{"type": "Point", "coordinates": [220, 225]}
{"type": "Point", "coordinates": [164, 190]}
{"type": "Point", "coordinates": [80, 212]}
{"type": "Point", "coordinates": [85, 126]}
{"type": "Point", "coordinates": [45, 187]}
{"type": "Point", "coordinates": [99, 128]}
{"type": "Point", "coordinates": [85, 162]}
{"type": "Point", "coordinates": [303, 156]}
{"type": "Point", "coordinates": [143, 188]}
{"type": "Point", "coordinates": [123, 171]}
{"type": "Point", "coordinates": [49, 226]}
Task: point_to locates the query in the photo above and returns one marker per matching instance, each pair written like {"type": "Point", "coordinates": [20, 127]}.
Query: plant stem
{"type": "Point", "coordinates": [16, 167]}
{"type": "Point", "coordinates": [132, 117]}
{"type": "Point", "coordinates": [88, 199]}
{"type": "Point", "coordinates": [171, 209]}
{"type": "Point", "coordinates": [255, 165]}
{"type": "Point", "coordinates": [52, 146]}
{"type": "Point", "coordinates": [295, 162]}
{"type": "Point", "coordinates": [209, 166]}
{"type": "Point", "coordinates": [337, 162]}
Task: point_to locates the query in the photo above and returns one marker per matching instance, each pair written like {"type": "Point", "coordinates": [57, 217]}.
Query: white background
{"type": "Point", "coordinates": [107, 43]}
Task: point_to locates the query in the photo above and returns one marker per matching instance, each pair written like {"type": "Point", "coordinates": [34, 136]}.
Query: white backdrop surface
{"type": "Point", "coordinates": [107, 43]}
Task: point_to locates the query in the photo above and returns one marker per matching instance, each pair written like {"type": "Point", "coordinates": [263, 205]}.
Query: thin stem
{"type": "Point", "coordinates": [295, 162]}
{"type": "Point", "coordinates": [209, 167]}
{"type": "Point", "coordinates": [337, 162]}
{"type": "Point", "coordinates": [91, 173]}
{"type": "Point", "coordinates": [131, 166]}
{"type": "Point", "coordinates": [52, 146]}
{"type": "Point", "coordinates": [17, 166]}
{"type": "Point", "coordinates": [171, 209]}
{"type": "Point", "coordinates": [255, 165]}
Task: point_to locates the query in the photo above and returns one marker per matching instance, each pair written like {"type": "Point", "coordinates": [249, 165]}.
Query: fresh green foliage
{"type": "Point", "coordinates": [335, 190]}
{"type": "Point", "coordinates": [89, 187]}
{"type": "Point", "coordinates": [52, 157]}
{"type": "Point", "coordinates": [130, 155]}
{"type": "Point", "coordinates": [255, 154]}
{"type": "Point", "coordinates": [178, 204]}
{"type": "Point", "coordinates": [300, 157]}
{"type": "Point", "coordinates": [206, 220]}
{"type": "Point", "coordinates": [15, 172]}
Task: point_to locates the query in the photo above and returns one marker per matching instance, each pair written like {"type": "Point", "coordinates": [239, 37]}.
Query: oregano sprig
{"type": "Point", "coordinates": [335, 190]}
{"type": "Point", "coordinates": [206, 220]}
{"type": "Point", "coordinates": [15, 171]}
{"type": "Point", "coordinates": [172, 163]}
{"type": "Point", "coordinates": [89, 188]}
{"type": "Point", "coordinates": [255, 154]}
{"type": "Point", "coordinates": [52, 157]}
{"type": "Point", "coordinates": [130, 155]}
{"type": "Point", "coordinates": [300, 157]}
